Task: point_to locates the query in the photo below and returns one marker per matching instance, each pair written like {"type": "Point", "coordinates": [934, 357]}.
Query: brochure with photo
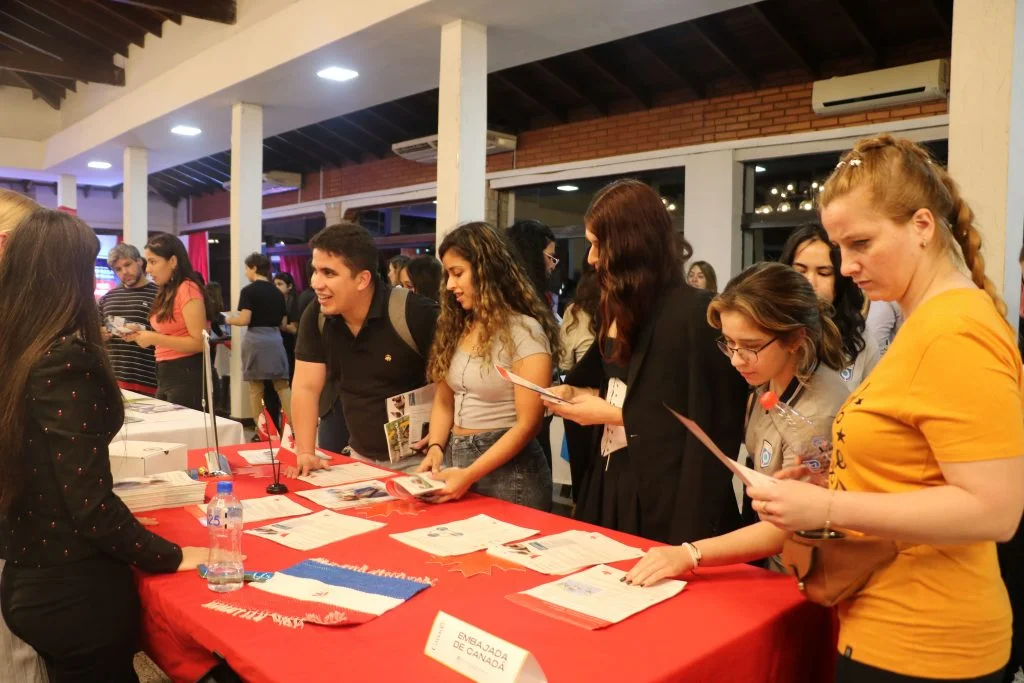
{"type": "Point", "coordinates": [408, 420]}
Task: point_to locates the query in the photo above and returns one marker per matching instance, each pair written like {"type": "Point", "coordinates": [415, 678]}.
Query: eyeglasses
{"type": "Point", "coordinates": [553, 260]}
{"type": "Point", "coordinates": [746, 355]}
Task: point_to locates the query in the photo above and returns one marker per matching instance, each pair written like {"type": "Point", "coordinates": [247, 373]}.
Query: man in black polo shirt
{"type": "Point", "coordinates": [355, 342]}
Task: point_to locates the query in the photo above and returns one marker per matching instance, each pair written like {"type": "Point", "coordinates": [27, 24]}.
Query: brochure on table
{"type": "Point", "coordinates": [315, 530]}
{"type": "Point", "coordinates": [463, 536]}
{"type": "Point", "coordinates": [479, 655]}
{"type": "Point", "coordinates": [345, 474]}
{"type": "Point", "coordinates": [566, 552]}
{"type": "Point", "coordinates": [348, 495]}
{"type": "Point", "coordinates": [408, 420]}
{"type": "Point", "coordinates": [268, 507]}
{"type": "Point", "coordinates": [596, 597]}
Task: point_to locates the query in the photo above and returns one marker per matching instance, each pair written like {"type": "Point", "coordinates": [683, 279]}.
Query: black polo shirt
{"type": "Point", "coordinates": [371, 366]}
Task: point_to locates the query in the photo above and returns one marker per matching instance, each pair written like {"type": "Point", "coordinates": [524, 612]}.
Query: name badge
{"type": "Point", "coordinates": [767, 452]}
{"type": "Point", "coordinates": [478, 655]}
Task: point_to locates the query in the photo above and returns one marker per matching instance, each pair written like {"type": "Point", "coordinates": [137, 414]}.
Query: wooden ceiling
{"type": "Point", "coordinates": [49, 46]}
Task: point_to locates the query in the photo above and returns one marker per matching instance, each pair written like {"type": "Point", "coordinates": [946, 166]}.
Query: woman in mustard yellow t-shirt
{"type": "Point", "coordinates": [928, 450]}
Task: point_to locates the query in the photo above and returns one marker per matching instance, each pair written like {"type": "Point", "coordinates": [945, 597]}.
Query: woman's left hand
{"type": "Point", "coordinates": [792, 505]}
{"type": "Point", "coordinates": [586, 409]}
{"type": "Point", "coordinates": [144, 338]}
{"type": "Point", "coordinates": [457, 480]}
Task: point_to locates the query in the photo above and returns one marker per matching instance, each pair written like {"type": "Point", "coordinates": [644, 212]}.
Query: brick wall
{"type": "Point", "coordinates": [765, 112]}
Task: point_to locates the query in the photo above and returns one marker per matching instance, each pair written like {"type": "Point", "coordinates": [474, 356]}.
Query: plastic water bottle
{"type": "Point", "coordinates": [810, 440]}
{"type": "Point", "coordinates": [224, 521]}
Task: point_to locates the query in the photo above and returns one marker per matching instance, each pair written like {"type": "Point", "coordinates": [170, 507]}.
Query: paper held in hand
{"type": "Point", "coordinates": [510, 376]}
{"type": "Point", "coordinates": [596, 597]}
{"type": "Point", "coordinates": [478, 655]}
{"type": "Point", "coordinates": [748, 476]}
{"type": "Point", "coordinates": [414, 486]}
{"type": "Point", "coordinates": [408, 420]}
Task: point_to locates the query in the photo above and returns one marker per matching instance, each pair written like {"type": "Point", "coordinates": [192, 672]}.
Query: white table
{"type": "Point", "coordinates": [148, 419]}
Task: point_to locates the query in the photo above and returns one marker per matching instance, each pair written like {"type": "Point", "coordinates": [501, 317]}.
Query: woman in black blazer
{"type": "Point", "coordinates": [70, 543]}
{"type": "Point", "coordinates": [645, 474]}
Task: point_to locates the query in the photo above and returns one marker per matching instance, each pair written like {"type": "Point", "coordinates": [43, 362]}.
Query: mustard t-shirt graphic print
{"type": "Point", "coordinates": [947, 390]}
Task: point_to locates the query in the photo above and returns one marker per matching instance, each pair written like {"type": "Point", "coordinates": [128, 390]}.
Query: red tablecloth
{"type": "Point", "coordinates": [729, 624]}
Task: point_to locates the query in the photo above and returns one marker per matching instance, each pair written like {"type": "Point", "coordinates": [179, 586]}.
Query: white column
{"type": "Point", "coordinates": [246, 225]}
{"type": "Point", "coordinates": [711, 211]}
{"type": "Point", "coordinates": [986, 131]}
{"type": "Point", "coordinates": [67, 193]}
{"type": "Point", "coordinates": [462, 126]}
{"type": "Point", "coordinates": [136, 196]}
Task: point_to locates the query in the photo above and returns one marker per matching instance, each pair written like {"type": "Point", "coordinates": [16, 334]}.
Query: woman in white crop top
{"type": "Point", "coordinates": [482, 428]}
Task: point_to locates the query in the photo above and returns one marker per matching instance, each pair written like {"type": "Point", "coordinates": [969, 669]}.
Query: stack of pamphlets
{"type": "Point", "coordinates": [158, 491]}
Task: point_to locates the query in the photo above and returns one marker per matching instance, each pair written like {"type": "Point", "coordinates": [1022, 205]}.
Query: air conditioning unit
{"type": "Point", "coordinates": [424, 150]}
{"type": "Point", "coordinates": [276, 181]}
{"type": "Point", "coordinates": [908, 84]}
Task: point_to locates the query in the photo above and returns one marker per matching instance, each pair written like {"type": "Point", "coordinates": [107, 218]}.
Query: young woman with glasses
{"type": "Point", "coordinates": [779, 337]}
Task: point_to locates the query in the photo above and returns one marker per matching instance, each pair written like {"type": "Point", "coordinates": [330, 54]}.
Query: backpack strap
{"type": "Point", "coordinates": [397, 302]}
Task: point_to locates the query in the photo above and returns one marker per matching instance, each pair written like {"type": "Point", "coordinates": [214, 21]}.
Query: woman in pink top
{"type": "Point", "coordinates": [178, 317]}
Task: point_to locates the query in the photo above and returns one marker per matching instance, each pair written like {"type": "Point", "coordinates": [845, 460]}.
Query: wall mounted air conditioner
{"type": "Point", "coordinates": [276, 181]}
{"type": "Point", "coordinates": [883, 88]}
{"type": "Point", "coordinates": [424, 150]}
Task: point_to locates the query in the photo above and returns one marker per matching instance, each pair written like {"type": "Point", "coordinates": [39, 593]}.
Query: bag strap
{"type": "Point", "coordinates": [397, 302]}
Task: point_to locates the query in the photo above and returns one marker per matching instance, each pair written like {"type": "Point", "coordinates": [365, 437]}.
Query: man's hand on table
{"type": "Point", "coordinates": [304, 464]}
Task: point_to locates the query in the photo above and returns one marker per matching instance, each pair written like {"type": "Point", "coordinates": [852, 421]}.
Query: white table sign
{"type": "Point", "coordinates": [478, 655]}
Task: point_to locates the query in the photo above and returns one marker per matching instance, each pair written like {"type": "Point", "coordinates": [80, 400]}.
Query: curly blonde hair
{"type": "Point", "coordinates": [902, 177]}
{"type": "Point", "coordinates": [503, 289]}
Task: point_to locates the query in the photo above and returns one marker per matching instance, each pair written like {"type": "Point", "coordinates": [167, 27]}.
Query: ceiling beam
{"type": "Point", "coordinates": [510, 119]}
{"type": "Point", "coordinates": [942, 14]}
{"type": "Point", "coordinates": [54, 30]}
{"type": "Point", "coordinates": [858, 24]}
{"type": "Point", "coordinates": [211, 170]}
{"type": "Point", "coordinates": [49, 94]}
{"type": "Point", "coordinates": [686, 80]}
{"type": "Point", "coordinates": [223, 11]}
{"type": "Point", "coordinates": [358, 146]}
{"type": "Point", "coordinates": [40, 42]}
{"type": "Point", "coordinates": [571, 85]}
{"type": "Point", "coordinates": [612, 72]}
{"type": "Point", "coordinates": [286, 149]}
{"type": "Point", "coordinates": [171, 180]}
{"type": "Point", "coordinates": [347, 121]}
{"type": "Point", "coordinates": [403, 132]}
{"type": "Point", "coordinates": [722, 47]}
{"type": "Point", "coordinates": [202, 172]}
{"type": "Point", "coordinates": [73, 21]}
{"type": "Point", "coordinates": [335, 154]}
{"type": "Point", "coordinates": [424, 123]}
{"type": "Point", "coordinates": [191, 179]}
{"type": "Point", "coordinates": [112, 21]}
{"type": "Point", "coordinates": [138, 18]}
{"type": "Point", "coordinates": [770, 16]}
{"type": "Point", "coordinates": [509, 81]}
{"type": "Point", "coordinates": [41, 65]}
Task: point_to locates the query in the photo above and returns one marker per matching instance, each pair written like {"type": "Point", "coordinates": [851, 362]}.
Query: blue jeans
{"type": "Point", "coordinates": [333, 433]}
{"type": "Point", "coordinates": [523, 480]}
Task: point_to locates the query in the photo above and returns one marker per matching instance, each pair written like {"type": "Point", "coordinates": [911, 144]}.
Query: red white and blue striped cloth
{"type": "Point", "coordinates": [318, 593]}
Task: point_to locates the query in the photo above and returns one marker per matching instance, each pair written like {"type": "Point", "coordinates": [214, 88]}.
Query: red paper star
{"type": "Point", "coordinates": [388, 507]}
{"type": "Point", "coordinates": [475, 563]}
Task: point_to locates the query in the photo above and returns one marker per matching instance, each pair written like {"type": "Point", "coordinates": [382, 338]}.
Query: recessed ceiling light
{"type": "Point", "coordinates": [760, 169]}
{"type": "Point", "coordinates": [671, 207]}
{"type": "Point", "coordinates": [101, 165]}
{"type": "Point", "coordinates": [186, 130]}
{"type": "Point", "coordinates": [567, 188]}
{"type": "Point", "coordinates": [337, 73]}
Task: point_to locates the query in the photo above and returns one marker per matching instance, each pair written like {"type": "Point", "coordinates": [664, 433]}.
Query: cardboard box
{"type": "Point", "coordinates": [143, 458]}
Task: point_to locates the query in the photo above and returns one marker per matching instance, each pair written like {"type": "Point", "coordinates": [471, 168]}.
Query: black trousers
{"type": "Point", "coordinates": [849, 671]}
{"type": "Point", "coordinates": [82, 618]}
{"type": "Point", "coordinates": [180, 381]}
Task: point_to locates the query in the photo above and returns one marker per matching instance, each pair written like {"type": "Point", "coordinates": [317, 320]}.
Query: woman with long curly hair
{"type": "Point", "coordinates": [645, 474]}
{"type": "Point", "coordinates": [483, 429]}
{"type": "Point", "coordinates": [810, 253]}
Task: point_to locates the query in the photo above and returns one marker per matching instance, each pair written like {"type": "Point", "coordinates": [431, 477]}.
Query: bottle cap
{"type": "Point", "coordinates": [768, 400]}
{"type": "Point", "coordinates": [224, 487]}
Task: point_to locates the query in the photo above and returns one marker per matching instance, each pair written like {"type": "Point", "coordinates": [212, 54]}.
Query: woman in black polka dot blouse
{"type": "Point", "coordinates": [69, 542]}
